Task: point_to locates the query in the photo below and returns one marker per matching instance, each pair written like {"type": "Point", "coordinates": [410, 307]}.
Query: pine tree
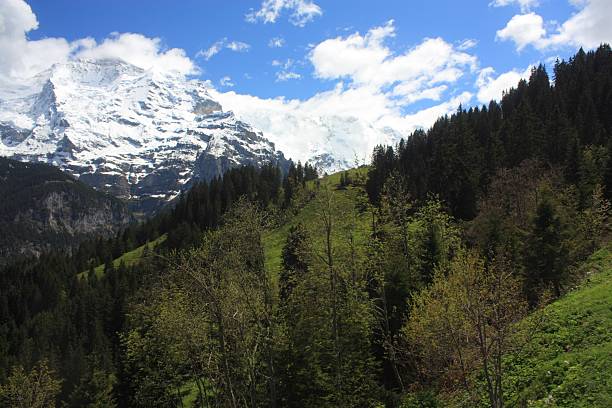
{"type": "Point", "coordinates": [607, 178]}
{"type": "Point", "coordinates": [293, 262]}
{"type": "Point", "coordinates": [544, 252]}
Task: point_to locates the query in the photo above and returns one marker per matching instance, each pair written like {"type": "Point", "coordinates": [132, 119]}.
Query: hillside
{"type": "Point", "coordinates": [345, 198]}
{"type": "Point", "coordinates": [273, 240]}
{"type": "Point", "coordinates": [568, 360]}
{"type": "Point", "coordinates": [456, 270]}
{"type": "Point", "coordinates": [49, 209]}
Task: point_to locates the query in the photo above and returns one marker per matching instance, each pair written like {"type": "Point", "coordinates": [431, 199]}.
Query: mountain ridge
{"type": "Point", "coordinates": [139, 135]}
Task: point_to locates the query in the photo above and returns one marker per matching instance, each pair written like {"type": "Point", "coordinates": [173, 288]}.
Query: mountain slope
{"type": "Point", "coordinates": [568, 361]}
{"type": "Point", "coordinates": [46, 208]}
{"type": "Point", "coordinates": [133, 133]}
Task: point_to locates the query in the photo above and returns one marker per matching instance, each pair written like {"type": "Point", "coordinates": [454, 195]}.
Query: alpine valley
{"type": "Point", "coordinates": [301, 205]}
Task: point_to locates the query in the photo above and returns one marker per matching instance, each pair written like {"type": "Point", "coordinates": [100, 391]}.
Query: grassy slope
{"type": "Point", "coordinates": [345, 200]}
{"type": "Point", "coordinates": [568, 361]}
{"type": "Point", "coordinates": [274, 240]}
{"type": "Point", "coordinates": [129, 258]}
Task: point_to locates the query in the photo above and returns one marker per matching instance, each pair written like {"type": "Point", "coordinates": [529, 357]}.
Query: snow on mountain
{"type": "Point", "coordinates": [146, 136]}
{"type": "Point", "coordinates": [332, 142]}
{"type": "Point", "coordinates": [136, 134]}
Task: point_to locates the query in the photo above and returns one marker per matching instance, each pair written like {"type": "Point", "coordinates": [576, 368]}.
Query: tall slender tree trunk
{"type": "Point", "coordinates": [389, 340]}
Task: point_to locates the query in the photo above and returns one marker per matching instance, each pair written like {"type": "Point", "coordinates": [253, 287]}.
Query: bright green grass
{"type": "Point", "coordinates": [568, 361]}
{"type": "Point", "coordinates": [344, 200]}
{"type": "Point", "coordinates": [129, 258]}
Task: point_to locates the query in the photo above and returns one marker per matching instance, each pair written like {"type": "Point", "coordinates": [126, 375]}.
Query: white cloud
{"type": "Point", "coordinates": [302, 11]}
{"type": "Point", "coordinates": [410, 96]}
{"type": "Point", "coordinates": [285, 73]}
{"type": "Point", "coordinates": [226, 81]}
{"type": "Point", "coordinates": [587, 28]}
{"type": "Point", "coordinates": [492, 88]}
{"type": "Point", "coordinates": [349, 122]}
{"type": "Point", "coordinates": [283, 76]}
{"type": "Point", "coordinates": [523, 29]}
{"type": "Point", "coordinates": [141, 51]}
{"type": "Point", "coordinates": [467, 44]}
{"type": "Point", "coordinates": [370, 102]}
{"type": "Point", "coordinates": [276, 42]}
{"type": "Point", "coordinates": [210, 51]}
{"type": "Point", "coordinates": [216, 47]}
{"type": "Point", "coordinates": [22, 58]}
{"type": "Point", "coordinates": [525, 5]}
{"type": "Point", "coordinates": [367, 61]}
{"type": "Point", "coordinates": [238, 46]}
{"type": "Point", "coordinates": [426, 117]}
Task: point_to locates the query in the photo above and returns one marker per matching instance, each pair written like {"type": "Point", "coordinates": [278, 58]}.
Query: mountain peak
{"type": "Point", "coordinates": [134, 133]}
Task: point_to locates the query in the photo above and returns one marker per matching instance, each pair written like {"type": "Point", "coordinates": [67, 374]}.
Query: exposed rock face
{"type": "Point", "coordinates": [47, 208]}
{"type": "Point", "coordinates": [138, 135]}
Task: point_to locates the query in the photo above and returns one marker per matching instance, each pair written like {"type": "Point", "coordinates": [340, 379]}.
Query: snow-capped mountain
{"type": "Point", "coordinates": [134, 133]}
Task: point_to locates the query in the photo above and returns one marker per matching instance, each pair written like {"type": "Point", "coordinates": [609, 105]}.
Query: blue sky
{"type": "Point", "coordinates": [361, 72]}
{"type": "Point", "coordinates": [195, 25]}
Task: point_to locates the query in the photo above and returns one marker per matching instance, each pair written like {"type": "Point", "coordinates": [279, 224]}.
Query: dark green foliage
{"type": "Point", "coordinates": [296, 179]}
{"type": "Point", "coordinates": [199, 320]}
{"type": "Point", "coordinates": [545, 261]}
{"type": "Point", "coordinates": [293, 263]}
{"type": "Point", "coordinates": [383, 163]}
{"type": "Point", "coordinates": [457, 156]}
{"type": "Point", "coordinates": [607, 177]}
{"type": "Point", "coordinates": [46, 311]}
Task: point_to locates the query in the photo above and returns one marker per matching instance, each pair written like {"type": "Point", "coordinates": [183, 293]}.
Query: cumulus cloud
{"type": "Point", "coordinates": [426, 117]}
{"type": "Point", "coordinates": [20, 57]}
{"type": "Point", "coordinates": [372, 97]}
{"type": "Point", "coordinates": [276, 42]}
{"type": "Point", "coordinates": [23, 58]}
{"type": "Point", "coordinates": [524, 29]}
{"type": "Point", "coordinates": [588, 27]}
{"type": "Point", "coordinates": [301, 11]}
{"type": "Point", "coordinates": [365, 60]}
{"type": "Point", "coordinates": [491, 87]}
{"type": "Point", "coordinates": [525, 5]}
{"type": "Point", "coordinates": [216, 47]}
{"type": "Point", "coordinates": [349, 122]}
{"type": "Point", "coordinates": [141, 51]}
